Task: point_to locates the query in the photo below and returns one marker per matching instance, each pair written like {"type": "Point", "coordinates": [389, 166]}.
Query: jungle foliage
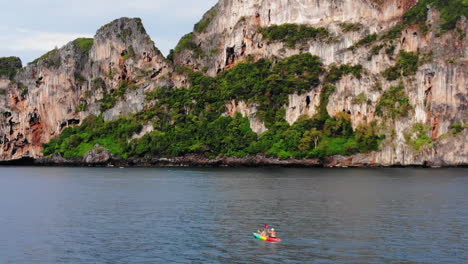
{"type": "Point", "coordinates": [394, 103]}
{"type": "Point", "coordinates": [187, 43]}
{"type": "Point", "coordinates": [50, 59]}
{"type": "Point", "coordinates": [85, 44]}
{"type": "Point", "coordinates": [191, 121]}
{"type": "Point", "coordinates": [407, 64]}
{"type": "Point", "coordinates": [9, 66]}
{"type": "Point", "coordinates": [293, 34]}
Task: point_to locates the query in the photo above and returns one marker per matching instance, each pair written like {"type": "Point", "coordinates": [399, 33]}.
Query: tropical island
{"type": "Point", "coordinates": [384, 85]}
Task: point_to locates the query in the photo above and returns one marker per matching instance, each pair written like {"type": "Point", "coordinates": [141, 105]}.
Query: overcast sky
{"type": "Point", "coordinates": [29, 28]}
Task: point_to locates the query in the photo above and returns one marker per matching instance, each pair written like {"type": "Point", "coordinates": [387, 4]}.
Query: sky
{"type": "Point", "coordinates": [30, 28]}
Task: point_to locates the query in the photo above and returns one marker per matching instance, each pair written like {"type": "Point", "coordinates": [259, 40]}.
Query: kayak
{"type": "Point", "coordinates": [264, 238]}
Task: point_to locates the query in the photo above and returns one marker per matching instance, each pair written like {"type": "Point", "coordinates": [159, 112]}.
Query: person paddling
{"type": "Point", "coordinates": [264, 232]}
{"type": "Point", "coordinates": [267, 234]}
{"type": "Point", "coordinates": [273, 233]}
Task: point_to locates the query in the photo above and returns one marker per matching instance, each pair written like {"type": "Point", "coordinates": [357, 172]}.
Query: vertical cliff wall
{"type": "Point", "coordinates": [437, 90]}
{"type": "Point", "coordinates": [111, 74]}
{"type": "Point", "coordinates": [66, 85]}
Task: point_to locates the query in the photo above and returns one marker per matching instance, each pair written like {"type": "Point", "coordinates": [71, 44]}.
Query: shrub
{"type": "Point", "coordinates": [340, 126]}
{"type": "Point", "coordinates": [360, 99]}
{"type": "Point", "coordinates": [9, 67]}
{"type": "Point", "coordinates": [203, 24]}
{"type": "Point", "coordinates": [293, 34]}
{"type": "Point", "coordinates": [367, 137]}
{"type": "Point", "coordinates": [451, 12]}
{"type": "Point", "coordinates": [458, 128]}
{"type": "Point", "coordinates": [365, 41]}
{"type": "Point", "coordinates": [337, 72]}
{"type": "Point", "coordinates": [187, 43]}
{"type": "Point", "coordinates": [390, 50]}
{"type": "Point", "coordinates": [394, 103]}
{"type": "Point", "coordinates": [110, 99]}
{"type": "Point", "coordinates": [140, 26]}
{"type": "Point", "coordinates": [85, 44]}
{"type": "Point", "coordinates": [98, 83]}
{"type": "Point", "coordinates": [83, 106]}
{"type": "Point", "coordinates": [419, 138]}
{"type": "Point", "coordinates": [130, 53]}
{"type": "Point", "coordinates": [80, 78]}
{"type": "Point", "coordinates": [170, 56]}
{"type": "Point", "coordinates": [125, 34]}
{"type": "Point", "coordinates": [407, 64]}
{"type": "Point", "coordinates": [50, 59]}
{"type": "Point", "coordinates": [375, 51]}
{"type": "Point", "coordinates": [327, 91]}
{"type": "Point", "coordinates": [393, 33]}
{"type": "Point", "coordinates": [348, 27]}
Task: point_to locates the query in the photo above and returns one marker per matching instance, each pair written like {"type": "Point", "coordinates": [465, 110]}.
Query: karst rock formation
{"type": "Point", "coordinates": [65, 86]}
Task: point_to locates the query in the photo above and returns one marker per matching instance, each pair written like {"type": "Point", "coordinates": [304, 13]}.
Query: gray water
{"type": "Point", "coordinates": [86, 215]}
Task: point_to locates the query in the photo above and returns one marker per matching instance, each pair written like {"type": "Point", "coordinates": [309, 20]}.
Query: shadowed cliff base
{"type": "Point", "coordinates": [26, 161]}
{"type": "Point", "coordinates": [197, 161]}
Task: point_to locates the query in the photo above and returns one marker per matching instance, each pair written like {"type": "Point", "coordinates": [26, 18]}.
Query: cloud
{"type": "Point", "coordinates": [93, 8]}
{"type": "Point", "coordinates": [29, 44]}
{"type": "Point", "coordinates": [22, 39]}
{"type": "Point", "coordinates": [28, 28]}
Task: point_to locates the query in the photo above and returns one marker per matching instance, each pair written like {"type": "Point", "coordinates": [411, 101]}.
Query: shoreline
{"type": "Point", "coordinates": [224, 162]}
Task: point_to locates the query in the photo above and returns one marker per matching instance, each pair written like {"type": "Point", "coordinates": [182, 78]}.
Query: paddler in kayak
{"type": "Point", "coordinates": [264, 232]}
{"type": "Point", "coordinates": [273, 233]}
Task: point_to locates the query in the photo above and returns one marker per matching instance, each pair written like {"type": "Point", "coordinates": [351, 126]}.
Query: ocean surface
{"type": "Point", "coordinates": [139, 215]}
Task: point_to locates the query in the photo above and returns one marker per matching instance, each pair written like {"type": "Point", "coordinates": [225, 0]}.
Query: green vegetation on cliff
{"type": "Point", "coordinates": [365, 41]}
{"type": "Point", "coordinates": [293, 34]}
{"type": "Point", "coordinates": [394, 103]}
{"type": "Point", "coordinates": [337, 72]}
{"type": "Point", "coordinates": [419, 137]}
{"type": "Point", "coordinates": [9, 66]}
{"type": "Point", "coordinates": [112, 97]}
{"type": "Point", "coordinates": [77, 141]}
{"type": "Point", "coordinates": [203, 24]}
{"type": "Point", "coordinates": [85, 44]}
{"type": "Point", "coordinates": [186, 43]}
{"type": "Point", "coordinates": [407, 64]}
{"type": "Point", "coordinates": [450, 12]}
{"type": "Point", "coordinates": [191, 121]}
{"type": "Point", "coordinates": [350, 27]}
{"type": "Point", "coordinates": [50, 59]}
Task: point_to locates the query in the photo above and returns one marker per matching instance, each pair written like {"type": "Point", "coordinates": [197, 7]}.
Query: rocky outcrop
{"type": "Point", "coordinates": [66, 85]}
{"type": "Point", "coordinates": [247, 110]}
{"type": "Point", "coordinates": [111, 76]}
{"type": "Point", "coordinates": [438, 91]}
{"type": "Point", "coordinates": [98, 155]}
{"type": "Point", "coordinates": [231, 38]}
{"type": "Point", "coordinates": [302, 104]}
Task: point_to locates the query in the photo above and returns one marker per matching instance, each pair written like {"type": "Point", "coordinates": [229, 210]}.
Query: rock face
{"type": "Point", "coordinates": [97, 155]}
{"type": "Point", "coordinates": [230, 38]}
{"type": "Point", "coordinates": [46, 96]}
{"type": "Point", "coordinates": [71, 83]}
{"type": "Point", "coordinates": [247, 110]}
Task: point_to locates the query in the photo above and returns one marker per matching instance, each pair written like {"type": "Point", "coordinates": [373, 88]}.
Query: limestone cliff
{"type": "Point", "coordinates": [64, 86]}
{"type": "Point", "coordinates": [111, 75]}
